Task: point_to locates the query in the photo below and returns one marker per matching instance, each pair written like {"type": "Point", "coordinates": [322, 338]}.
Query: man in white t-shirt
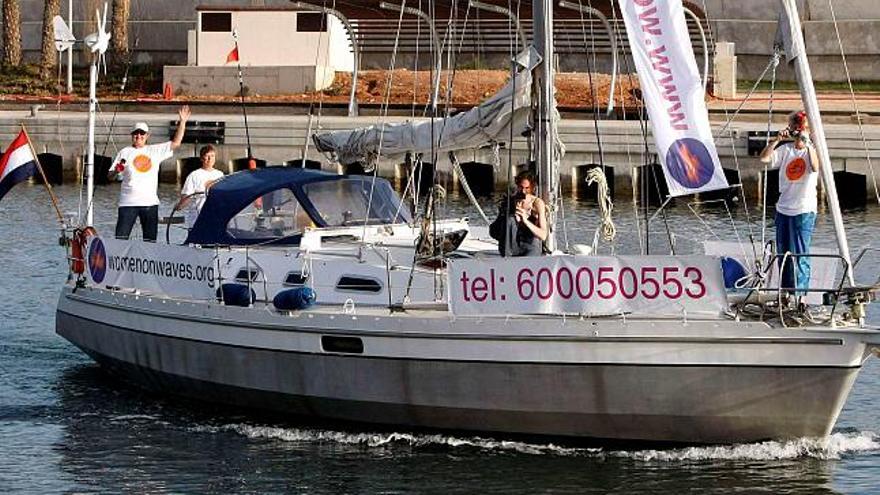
{"type": "Point", "coordinates": [195, 188]}
{"type": "Point", "coordinates": [138, 168]}
{"type": "Point", "coordinates": [796, 209]}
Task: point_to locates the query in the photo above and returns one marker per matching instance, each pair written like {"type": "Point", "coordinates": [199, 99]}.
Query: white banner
{"type": "Point", "coordinates": [177, 271]}
{"type": "Point", "coordinates": [673, 92]}
{"type": "Point", "coordinates": [587, 285]}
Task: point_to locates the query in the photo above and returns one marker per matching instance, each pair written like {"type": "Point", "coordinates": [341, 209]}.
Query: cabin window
{"type": "Point", "coordinates": [348, 345]}
{"type": "Point", "coordinates": [294, 279]}
{"type": "Point", "coordinates": [311, 22]}
{"type": "Point", "coordinates": [245, 275]}
{"type": "Point", "coordinates": [351, 283]}
{"type": "Point", "coordinates": [275, 215]}
{"type": "Point", "coordinates": [216, 22]}
{"type": "Point", "coordinates": [344, 202]}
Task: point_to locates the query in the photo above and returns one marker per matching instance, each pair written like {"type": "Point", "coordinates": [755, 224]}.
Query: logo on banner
{"type": "Point", "coordinates": [688, 162]}
{"type": "Point", "coordinates": [97, 260]}
{"type": "Point", "coordinates": [796, 169]}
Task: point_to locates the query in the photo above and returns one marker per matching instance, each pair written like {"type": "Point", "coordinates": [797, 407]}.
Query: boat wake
{"type": "Point", "coordinates": [378, 440]}
{"type": "Point", "coordinates": [833, 447]}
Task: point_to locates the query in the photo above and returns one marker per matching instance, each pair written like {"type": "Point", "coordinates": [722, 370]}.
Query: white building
{"type": "Point", "coordinates": [282, 50]}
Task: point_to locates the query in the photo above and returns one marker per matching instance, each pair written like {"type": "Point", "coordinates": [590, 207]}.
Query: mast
{"type": "Point", "coordinates": [797, 53]}
{"type": "Point", "coordinates": [545, 126]}
{"type": "Point", "coordinates": [90, 151]}
{"type": "Point", "coordinates": [97, 44]}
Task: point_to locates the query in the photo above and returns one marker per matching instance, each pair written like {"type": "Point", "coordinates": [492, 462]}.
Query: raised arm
{"type": "Point", "coordinates": [540, 229]}
{"type": "Point", "coordinates": [814, 158]}
{"type": "Point", "coordinates": [766, 155]}
{"type": "Point", "coordinates": [183, 115]}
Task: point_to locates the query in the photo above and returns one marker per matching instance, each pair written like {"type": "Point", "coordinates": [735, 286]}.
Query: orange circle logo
{"type": "Point", "coordinates": [796, 169]}
{"type": "Point", "coordinates": [142, 163]}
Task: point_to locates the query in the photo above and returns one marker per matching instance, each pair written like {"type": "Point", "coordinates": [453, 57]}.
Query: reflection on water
{"type": "Point", "coordinates": [65, 426]}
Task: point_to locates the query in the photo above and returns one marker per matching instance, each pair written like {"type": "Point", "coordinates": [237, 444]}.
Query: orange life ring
{"type": "Point", "coordinates": [78, 248]}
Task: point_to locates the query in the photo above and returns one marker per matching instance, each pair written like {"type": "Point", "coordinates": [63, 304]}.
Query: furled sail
{"type": "Point", "coordinates": [673, 93]}
{"type": "Point", "coordinates": [486, 123]}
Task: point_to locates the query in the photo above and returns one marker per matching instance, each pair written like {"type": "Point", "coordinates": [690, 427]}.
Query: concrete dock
{"type": "Point", "coordinates": [278, 138]}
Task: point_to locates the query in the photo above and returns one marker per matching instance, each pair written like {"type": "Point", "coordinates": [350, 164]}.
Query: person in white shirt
{"type": "Point", "coordinates": [138, 167]}
{"type": "Point", "coordinates": [195, 188]}
{"type": "Point", "coordinates": [796, 209]}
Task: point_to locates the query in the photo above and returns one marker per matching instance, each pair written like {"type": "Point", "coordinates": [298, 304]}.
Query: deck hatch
{"type": "Point", "coordinates": [294, 279]}
{"type": "Point", "coordinates": [245, 275]}
{"type": "Point", "coordinates": [350, 283]}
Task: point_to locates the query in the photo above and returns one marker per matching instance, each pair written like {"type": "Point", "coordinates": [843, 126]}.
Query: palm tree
{"type": "Point", "coordinates": [11, 32]}
{"type": "Point", "coordinates": [48, 54]}
{"type": "Point", "coordinates": [119, 29]}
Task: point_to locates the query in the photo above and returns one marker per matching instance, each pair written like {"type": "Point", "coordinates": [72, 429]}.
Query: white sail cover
{"type": "Point", "coordinates": [486, 123]}
{"type": "Point", "coordinates": [673, 93]}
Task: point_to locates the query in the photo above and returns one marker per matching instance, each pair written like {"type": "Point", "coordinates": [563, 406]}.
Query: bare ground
{"type": "Point", "coordinates": [470, 87]}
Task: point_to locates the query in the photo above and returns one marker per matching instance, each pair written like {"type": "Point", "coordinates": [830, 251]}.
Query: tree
{"type": "Point", "coordinates": [11, 32]}
{"type": "Point", "coordinates": [119, 29]}
{"type": "Point", "coordinates": [48, 54]}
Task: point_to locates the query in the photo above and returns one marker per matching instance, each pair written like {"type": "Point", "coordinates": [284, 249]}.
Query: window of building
{"type": "Point", "coordinates": [311, 22]}
{"type": "Point", "coordinates": [216, 22]}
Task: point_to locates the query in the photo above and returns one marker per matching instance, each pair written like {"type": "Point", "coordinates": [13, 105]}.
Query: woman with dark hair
{"type": "Point", "coordinates": [521, 226]}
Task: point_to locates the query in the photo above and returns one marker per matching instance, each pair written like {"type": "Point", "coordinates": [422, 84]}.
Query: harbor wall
{"type": "Point", "coordinates": [280, 139]}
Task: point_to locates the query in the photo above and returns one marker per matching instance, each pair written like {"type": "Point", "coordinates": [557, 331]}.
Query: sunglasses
{"type": "Point", "coordinates": [138, 133]}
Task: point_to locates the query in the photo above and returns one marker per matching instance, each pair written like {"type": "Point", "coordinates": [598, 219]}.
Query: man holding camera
{"type": "Point", "coordinates": [138, 167]}
{"type": "Point", "coordinates": [796, 209]}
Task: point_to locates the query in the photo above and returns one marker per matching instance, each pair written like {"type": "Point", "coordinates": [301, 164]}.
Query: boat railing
{"type": "Point", "coordinates": [855, 297]}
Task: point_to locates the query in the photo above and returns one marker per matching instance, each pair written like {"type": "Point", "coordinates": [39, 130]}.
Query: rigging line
{"type": "Point", "coordinates": [448, 46]}
{"type": "Point", "coordinates": [773, 63]}
{"type": "Point", "coordinates": [409, 184]}
{"type": "Point", "coordinates": [382, 120]}
{"type": "Point", "coordinates": [325, 18]}
{"type": "Point", "coordinates": [629, 157]}
{"type": "Point", "coordinates": [854, 104]}
{"type": "Point", "coordinates": [128, 63]}
{"type": "Point", "coordinates": [122, 86]}
{"type": "Point", "coordinates": [434, 196]}
{"type": "Point", "coordinates": [766, 166]}
{"type": "Point", "coordinates": [702, 221]}
{"type": "Point", "coordinates": [451, 74]}
{"type": "Point", "coordinates": [415, 90]}
{"type": "Point", "coordinates": [319, 95]}
{"type": "Point", "coordinates": [643, 127]}
{"type": "Point", "coordinates": [591, 66]}
{"type": "Point", "coordinates": [507, 188]}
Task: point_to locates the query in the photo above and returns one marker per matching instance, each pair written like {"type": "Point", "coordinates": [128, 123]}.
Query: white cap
{"type": "Point", "coordinates": [140, 126]}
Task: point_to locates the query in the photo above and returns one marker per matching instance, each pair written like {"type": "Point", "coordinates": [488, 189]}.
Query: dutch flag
{"type": "Point", "coordinates": [17, 165]}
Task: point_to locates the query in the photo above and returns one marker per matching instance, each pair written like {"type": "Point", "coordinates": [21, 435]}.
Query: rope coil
{"type": "Point", "coordinates": [607, 228]}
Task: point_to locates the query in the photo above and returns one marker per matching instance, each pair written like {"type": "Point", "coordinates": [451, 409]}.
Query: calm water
{"type": "Point", "coordinates": [66, 427]}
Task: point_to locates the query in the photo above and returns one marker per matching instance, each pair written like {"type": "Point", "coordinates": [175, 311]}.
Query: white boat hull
{"type": "Point", "coordinates": [701, 383]}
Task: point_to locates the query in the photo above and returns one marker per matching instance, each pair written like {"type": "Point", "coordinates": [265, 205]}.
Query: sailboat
{"type": "Point", "coordinates": [317, 294]}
